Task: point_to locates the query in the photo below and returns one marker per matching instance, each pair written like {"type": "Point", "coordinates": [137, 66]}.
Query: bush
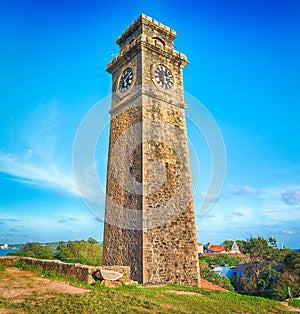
{"type": "Point", "coordinates": [221, 259]}
{"type": "Point", "coordinates": [83, 252]}
{"type": "Point", "coordinates": [216, 279]}
{"type": "Point", "coordinates": [294, 302]}
{"type": "Point", "coordinates": [2, 267]}
{"type": "Point", "coordinates": [34, 249]}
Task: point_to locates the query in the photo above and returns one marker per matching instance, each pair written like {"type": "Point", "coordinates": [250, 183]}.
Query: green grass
{"type": "Point", "coordinates": [136, 299]}
{"type": "Point", "coordinates": [294, 302]}
{"type": "Point", "coordinates": [143, 300]}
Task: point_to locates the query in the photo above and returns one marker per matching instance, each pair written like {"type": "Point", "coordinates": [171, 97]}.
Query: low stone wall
{"type": "Point", "coordinates": [9, 261]}
{"type": "Point", "coordinates": [82, 272]}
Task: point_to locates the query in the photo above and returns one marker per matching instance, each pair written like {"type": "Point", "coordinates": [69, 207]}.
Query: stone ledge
{"type": "Point", "coordinates": [81, 272]}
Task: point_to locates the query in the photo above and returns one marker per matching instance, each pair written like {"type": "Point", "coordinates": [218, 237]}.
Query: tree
{"type": "Point", "coordinates": [36, 250]}
{"type": "Point", "coordinates": [221, 259]}
{"type": "Point", "coordinates": [262, 276]}
{"type": "Point", "coordinates": [92, 240]}
{"type": "Point", "coordinates": [84, 252]}
{"type": "Point", "coordinates": [290, 275]}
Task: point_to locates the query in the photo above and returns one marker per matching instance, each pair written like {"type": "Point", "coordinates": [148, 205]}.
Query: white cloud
{"type": "Point", "coordinates": [288, 232]}
{"type": "Point", "coordinates": [242, 214]}
{"type": "Point", "coordinates": [46, 162]}
{"type": "Point", "coordinates": [42, 175]}
{"type": "Point", "coordinates": [291, 197]}
{"type": "Point", "coordinates": [28, 154]}
{"type": "Point", "coordinates": [275, 209]}
{"type": "Point", "coordinates": [242, 190]}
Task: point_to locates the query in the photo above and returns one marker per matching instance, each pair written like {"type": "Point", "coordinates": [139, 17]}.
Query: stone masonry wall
{"type": "Point", "coordinates": [170, 254]}
{"type": "Point", "coordinates": [122, 231]}
{"type": "Point", "coordinates": [81, 272]}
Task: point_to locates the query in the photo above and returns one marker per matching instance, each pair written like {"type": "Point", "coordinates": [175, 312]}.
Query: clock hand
{"type": "Point", "coordinates": [127, 76]}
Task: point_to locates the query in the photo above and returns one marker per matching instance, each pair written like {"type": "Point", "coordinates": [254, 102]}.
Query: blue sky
{"type": "Point", "coordinates": [244, 67]}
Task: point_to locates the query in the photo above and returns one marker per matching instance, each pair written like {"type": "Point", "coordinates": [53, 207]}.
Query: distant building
{"type": "Point", "coordinates": [235, 249]}
{"type": "Point", "coordinates": [4, 246]}
{"type": "Point", "coordinates": [200, 248]}
{"type": "Point", "coordinates": [216, 249]}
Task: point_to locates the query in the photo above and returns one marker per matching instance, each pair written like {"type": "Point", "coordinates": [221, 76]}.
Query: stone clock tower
{"type": "Point", "coordinates": [149, 216]}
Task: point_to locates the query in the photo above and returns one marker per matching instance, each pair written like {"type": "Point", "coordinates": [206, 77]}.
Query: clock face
{"type": "Point", "coordinates": [126, 80]}
{"type": "Point", "coordinates": [163, 76]}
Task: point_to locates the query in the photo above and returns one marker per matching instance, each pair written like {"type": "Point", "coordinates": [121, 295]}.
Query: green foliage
{"type": "Point", "coordinates": [2, 267]}
{"type": "Point", "coordinates": [294, 302]}
{"type": "Point", "coordinates": [84, 252]}
{"type": "Point", "coordinates": [36, 250]}
{"type": "Point", "coordinates": [291, 262]}
{"type": "Point", "coordinates": [37, 269]}
{"type": "Point", "coordinates": [270, 272]}
{"type": "Point", "coordinates": [221, 259]}
{"type": "Point", "coordinates": [260, 248]}
{"type": "Point", "coordinates": [289, 277]}
{"type": "Point", "coordinates": [217, 279]}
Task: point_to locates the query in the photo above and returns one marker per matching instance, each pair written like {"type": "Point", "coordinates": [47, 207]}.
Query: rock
{"type": "Point", "coordinates": [111, 284]}
{"type": "Point", "coordinates": [97, 275]}
{"type": "Point", "coordinates": [128, 281]}
{"type": "Point", "coordinates": [103, 274]}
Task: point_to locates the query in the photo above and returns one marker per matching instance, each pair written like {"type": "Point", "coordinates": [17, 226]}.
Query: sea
{"type": "Point", "coordinates": [4, 252]}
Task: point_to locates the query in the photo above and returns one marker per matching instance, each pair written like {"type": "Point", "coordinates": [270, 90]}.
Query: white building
{"type": "Point", "coordinates": [235, 248]}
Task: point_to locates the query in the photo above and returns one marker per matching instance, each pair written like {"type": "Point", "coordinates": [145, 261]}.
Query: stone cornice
{"type": "Point", "coordinates": [146, 20]}
{"type": "Point", "coordinates": [140, 44]}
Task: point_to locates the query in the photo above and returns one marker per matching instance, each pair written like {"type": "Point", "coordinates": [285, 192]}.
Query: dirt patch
{"type": "Point", "coordinates": [204, 284]}
{"type": "Point", "coordinates": [291, 308]}
{"type": "Point", "coordinates": [15, 283]}
{"type": "Point", "coordinates": [185, 292]}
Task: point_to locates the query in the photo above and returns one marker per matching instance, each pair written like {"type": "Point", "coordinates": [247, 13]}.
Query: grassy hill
{"type": "Point", "coordinates": [26, 294]}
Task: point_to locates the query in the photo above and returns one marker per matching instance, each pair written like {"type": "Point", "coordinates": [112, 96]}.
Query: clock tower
{"type": "Point", "coordinates": [149, 215]}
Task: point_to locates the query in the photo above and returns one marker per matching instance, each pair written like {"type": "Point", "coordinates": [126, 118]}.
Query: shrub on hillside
{"type": "Point", "coordinates": [220, 259]}
{"type": "Point", "coordinates": [34, 249]}
{"type": "Point", "coordinates": [83, 252]}
{"type": "Point", "coordinates": [215, 278]}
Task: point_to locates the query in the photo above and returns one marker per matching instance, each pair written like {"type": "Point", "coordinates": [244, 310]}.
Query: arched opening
{"type": "Point", "coordinates": [159, 42]}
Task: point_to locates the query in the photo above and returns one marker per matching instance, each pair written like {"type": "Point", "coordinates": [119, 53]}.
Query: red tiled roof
{"type": "Point", "coordinates": [216, 248]}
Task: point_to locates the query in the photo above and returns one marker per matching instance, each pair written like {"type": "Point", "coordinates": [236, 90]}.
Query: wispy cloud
{"type": "Point", "coordinates": [242, 190]}
{"type": "Point", "coordinates": [288, 232]}
{"type": "Point", "coordinates": [4, 220]}
{"type": "Point", "coordinates": [37, 155]}
{"type": "Point", "coordinates": [28, 154]}
{"type": "Point", "coordinates": [242, 214]}
{"type": "Point", "coordinates": [237, 213]}
{"type": "Point", "coordinates": [73, 219]}
{"type": "Point", "coordinates": [35, 173]}
{"type": "Point", "coordinates": [291, 197]}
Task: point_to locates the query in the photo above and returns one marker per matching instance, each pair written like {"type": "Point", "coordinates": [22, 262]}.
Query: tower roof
{"type": "Point", "coordinates": [145, 20]}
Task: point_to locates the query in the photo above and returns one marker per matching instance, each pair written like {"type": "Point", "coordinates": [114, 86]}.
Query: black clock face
{"type": "Point", "coordinates": [163, 76]}
{"type": "Point", "coordinates": [126, 80]}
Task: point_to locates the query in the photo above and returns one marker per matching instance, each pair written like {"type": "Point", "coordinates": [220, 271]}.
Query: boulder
{"type": "Point", "coordinates": [128, 281]}
{"type": "Point", "coordinates": [110, 275]}
{"type": "Point", "coordinates": [111, 284]}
